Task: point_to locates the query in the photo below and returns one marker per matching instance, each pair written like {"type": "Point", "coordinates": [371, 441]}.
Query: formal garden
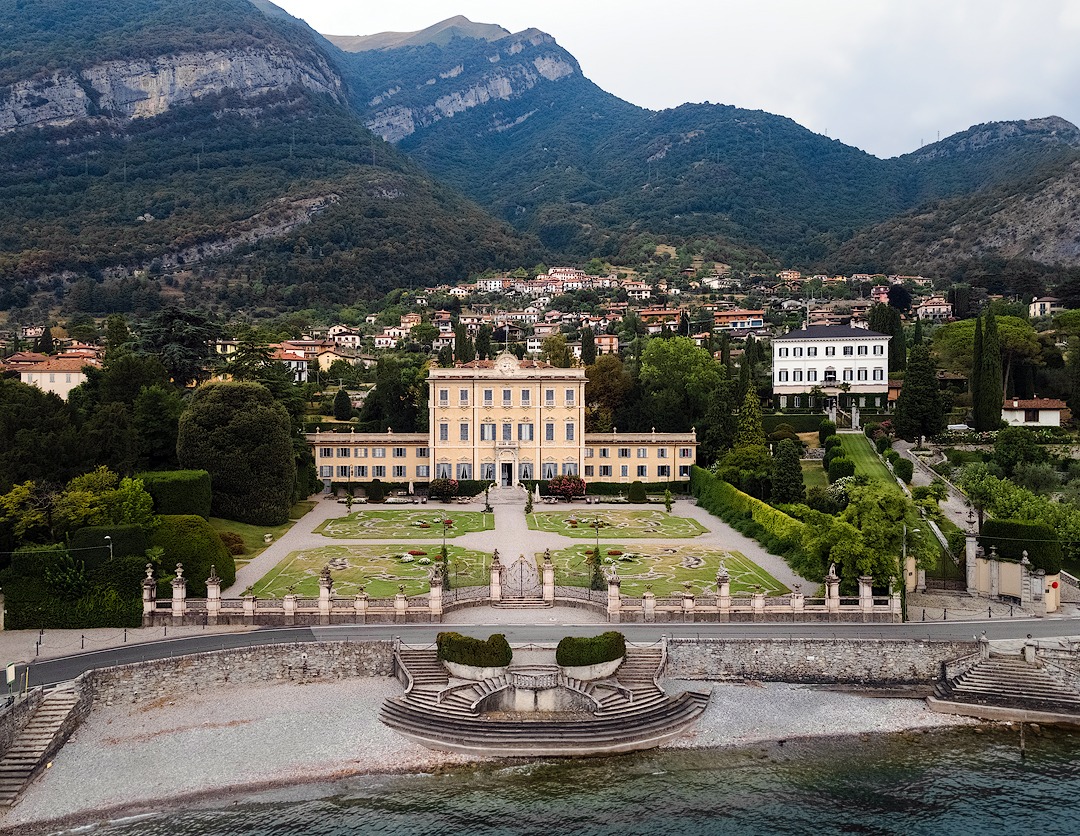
{"type": "Point", "coordinates": [615, 523]}
{"type": "Point", "coordinates": [379, 569]}
{"type": "Point", "coordinates": [427, 524]}
{"type": "Point", "coordinates": [666, 569]}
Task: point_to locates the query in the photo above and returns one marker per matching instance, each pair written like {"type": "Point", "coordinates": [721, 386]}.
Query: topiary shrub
{"type": "Point", "coordinates": [575, 651]}
{"type": "Point", "coordinates": [179, 491]}
{"type": "Point", "coordinates": [233, 542]}
{"type": "Point", "coordinates": [882, 443]}
{"type": "Point", "coordinates": [191, 540]}
{"type": "Point", "coordinates": [1013, 537]}
{"type": "Point", "coordinates": [91, 547]}
{"type": "Point", "coordinates": [841, 467]}
{"type": "Point", "coordinates": [904, 470]}
{"type": "Point", "coordinates": [825, 429]}
{"type": "Point", "coordinates": [566, 486]}
{"type": "Point", "coordinates": [832, 441]}
{"type": "Point", "coordinates": [891, 456]}
{"type": "Point", "coordinates": [465, 650]}
{"type": "Point", "coordinates": [375, 491]}
{"type": "Point", "coordinates": [636, 492]}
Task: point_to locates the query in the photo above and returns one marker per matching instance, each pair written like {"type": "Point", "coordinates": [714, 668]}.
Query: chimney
{"type": "Point", "coordinates": [1016, 404]}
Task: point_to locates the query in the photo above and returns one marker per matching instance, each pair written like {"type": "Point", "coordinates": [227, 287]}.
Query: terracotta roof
{"type": "Point", "coordinates": [60, 364]}
{"type": "Point", "coordinates": [828, 332]}
{"type": "Point", "coordinates": [26, 357]}
{"type": "Point", "coordinates": [1033, 403]}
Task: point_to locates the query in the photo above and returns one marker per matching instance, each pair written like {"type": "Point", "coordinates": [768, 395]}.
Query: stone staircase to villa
{"type": "Point", "coordinates": [631, 713]}
{"type": "Point", "coordinates": [522, 603]}
{"type": "Point", "coordinates": [34, 744]}
{"type": "Point", "coordinates": [1010, 683]}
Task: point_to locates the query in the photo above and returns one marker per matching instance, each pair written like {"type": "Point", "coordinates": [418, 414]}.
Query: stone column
{"type": "Point", "coordinates": [326, 592]}
{"type": "Point", "coordinates": [213, 596]}
{"type": "Point", "coordinates": [1038, 592]}
{"type": "Point", "coordinates": [688, 604]}
{"type": "Point", "coordinates": [614, 598]}
{"type": "Point", "coordinates": [249, 609]}
{"type": "Point", "coordinates": [866, 594]}
{"type": "Point", "coordinates": [435, 609]}
{"type": "Point", "coordinates": [896, 606]}
{"type": "Point", "coordinates": [798, 601]}
{"type": "Point", "coordinates": [984, 647]}
{"type": "Point", "coordinates": [149, 596]}
{"type": "Point", "coordinates": [995, 574]}
{"type": "Point", "coordinates": [648, 605]}
{"type": "Point", "coordinates": [549, 578]}
{"type": "Point", "coordinates": [757, 604]}
{"type": "Point", "coordinates": [1, 611]}
{"type": "Point", "coordinates": [360, 605]}
{"type": "Point", "coordinates": [288, 607]}
{"type": "Point", "coordinates": [971, 546]}
{"type": "Point", "coordinates": [401, 605]}
{"type": "Point", "coordinates": [1026, 597]}
{"type": "Point", "coordinates": [920, 579]}
{"type": "Point", "coordinates": [179, 593]}
{"type": "Point", "coordinates": [496, 578]}
{"type": "Point", "coordinates": [832, 590]}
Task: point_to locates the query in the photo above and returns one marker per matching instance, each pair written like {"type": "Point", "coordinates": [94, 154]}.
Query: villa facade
{"type": "Point", "coordinates": [508, 421]}
{"type": "Point", "coordinates": [850, 365]}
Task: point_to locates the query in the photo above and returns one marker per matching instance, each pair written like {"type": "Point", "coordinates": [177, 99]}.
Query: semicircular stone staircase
{"type": "Point", "coordinates": [630, 712]}
{"type": "Point", "coordinates": [1002, 685]}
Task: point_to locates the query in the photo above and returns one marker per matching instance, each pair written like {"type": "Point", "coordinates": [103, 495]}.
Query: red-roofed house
{"type": "Point", "coordinates": [1034, 412]}
{"type": "Point", "coordinates": [58, 375]}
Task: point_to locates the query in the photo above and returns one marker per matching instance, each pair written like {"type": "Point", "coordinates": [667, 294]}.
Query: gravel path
{"type": "Point", "coordinates": [129, 757]}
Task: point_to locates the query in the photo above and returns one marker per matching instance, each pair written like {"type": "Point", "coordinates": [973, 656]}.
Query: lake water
{"type": "Point", "coordinates": [950, 782]}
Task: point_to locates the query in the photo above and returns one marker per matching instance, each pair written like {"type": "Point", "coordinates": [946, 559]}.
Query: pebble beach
{"type": "Point", "coordinates": [129, 758]}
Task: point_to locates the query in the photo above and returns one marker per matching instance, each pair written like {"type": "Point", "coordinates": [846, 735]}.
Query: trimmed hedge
{"type": "Point", "coordinates": [179, 492]}
{"type": "Point", "coordinates": [775, 530]}
{"type": "Point", "coordinates": [904, 469]}
{"type": "Point", "coordinates": [636, 492]}
{"type": "Point", "coordinates": [882, 443]}
{"type": "Point", "coordinates": [807, 423]}
{"type": "Point", "coordinates": [465, 650]}
{"type": "Point", "coordinates": [824, 430]}
{"type": "Point", "coordinates": [190, 540]}
{"type": "Point", "coordinates": [832, 441]}
{"type": "Point", "coordinates": [88, 544]}
{"type": "Point", "coordinates": [1012, 537]}
{"type": "Point", "coordinates": [576, 651]}
{"type": "Point", "coordinates": [840, 467]}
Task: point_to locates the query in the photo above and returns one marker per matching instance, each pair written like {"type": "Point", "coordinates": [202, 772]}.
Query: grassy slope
{"type": "Point", "coordinates": [253, 534]}
{"type": "Point", "coordinates": [814, 475]}
{"type": "Point", "coordinates": [858, 449]}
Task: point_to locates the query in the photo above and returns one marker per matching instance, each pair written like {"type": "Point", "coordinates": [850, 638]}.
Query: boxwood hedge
{"type": "Point", "coordinates": [495, 652]}
{"type": "Point", "coordinates": [576, 651]}
{"type": "Point", "coordinates": [1013, 537]}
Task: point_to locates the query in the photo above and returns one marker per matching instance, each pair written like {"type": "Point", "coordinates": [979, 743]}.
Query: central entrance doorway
{"type": "Point", "coordinates": [507, 472]}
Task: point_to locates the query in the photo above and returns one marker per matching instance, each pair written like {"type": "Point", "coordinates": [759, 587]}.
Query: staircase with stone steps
{"type": "Point", "coordinates": [34, 742]}
{"type": "Point", "coordinates": [1012, 683]}
{"type": "Point", "coordinates": [523, 604]}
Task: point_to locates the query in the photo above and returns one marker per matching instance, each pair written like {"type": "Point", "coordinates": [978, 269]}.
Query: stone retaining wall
{"type": "Point", "coordinates": [14, 718]}
{"type": "Point", "coordinates": [300, 662]}
{"type": "Point", "coordinates": [838, 661]}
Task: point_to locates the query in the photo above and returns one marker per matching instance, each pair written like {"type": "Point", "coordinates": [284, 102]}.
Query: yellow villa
{"type": "Point", "coordinates": [507, 421]}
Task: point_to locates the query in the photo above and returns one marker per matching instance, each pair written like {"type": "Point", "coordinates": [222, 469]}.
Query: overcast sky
{"type": "Point", "coordinates": [883, 75]}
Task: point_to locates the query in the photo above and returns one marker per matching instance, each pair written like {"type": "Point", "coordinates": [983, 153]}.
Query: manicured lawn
{"type": "Point", "coordinates": [253, 534]}
{"type": "Point", "coordinates": [380, 569]}
{"type": "Point", "coordinates": [666, 569]}
{"type": "Point", "coordinates": [405, 525]}
{"type": "Point", "coordinates": [615, 523]}
{"type": "Point", "coordinates": [858, 448]}
{"type": "Point", "coordinates": [814, 475]}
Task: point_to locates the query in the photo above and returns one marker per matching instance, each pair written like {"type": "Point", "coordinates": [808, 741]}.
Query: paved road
{"type": "Point", "coordinates": [69, 667]}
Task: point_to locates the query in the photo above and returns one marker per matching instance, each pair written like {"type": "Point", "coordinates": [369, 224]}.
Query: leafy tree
{"type": "Point", "coordinates": [556, 351]}
{"type": "Point", "coordinates": [28, 510]}
{"type": "Point", "coordinates": [720, 423]}
{"type": "Point", "coordinates": [117, 335]}
{"type": "Point", "coordinates": [181, 340]}
{"type": "Point", "coordinates": [343, 409]}
{"type": "Point", "coordinates": [399, 400]}
{"type": "Point", "coordinates": [251, 360]}
{"type": "Point", "coordinates": [877, 512]}
{"type": "Point", "coordinates": [749, 432]}
{"type": "Point", "coordinates": [609, 384]}
{"type": "Point", "coordinates": [899, 297]}
{"type": "Point", "coordinates": [677, 379]}
{"type": "Point", "coordinates": [424, 333]}
{"type": "Point", "coordinates": [39, 439]}
{"type": "Point", "coordinates": [156, 419]}
{"type": "Point", "coordinates": [1072, 375]}
{"type": "Point", "coordinates": [243, 438]}
{"type": "Point", "coordinates": [111, 434]}
{"type": "Point", "coordinates": [588, 347]}
{"type": "Point", "coordinates": [787, 479]}
{"type": "Point", "coordinates": [920, 409]}
{"type": "Point", "coordinates": [1016, 445]}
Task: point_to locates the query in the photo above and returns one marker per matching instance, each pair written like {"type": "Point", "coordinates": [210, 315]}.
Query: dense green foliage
{"type": "Point", "coordinates": [1014, 537]}
{"type": "Point", "coordinates": [825, 429]}
{"type": "Point", "coordinates": [179, 491]}
{"type": "Point", "coordinates": [636, 492]}
{"type": "Point", "coordinates": [920, 409]}
{"type": "Point", "coordinates": [787, 478]}
{"type": "Point", "coordinates": [192, 541]}
{"type": "Point", "coordinates": [840, 467]}
{"type": "Point", "coordinates": [904, 470]}
{"type": "Point", "coordinates": [89, 545]}
{"type": "Point", "coordinates": [581, 651]}
{"type": "Point", "coordinates": [242, 437]}
{"type": "Point", "coordinates": [775, 530]}
{"type": "Point", "coordinates": [494, 652]}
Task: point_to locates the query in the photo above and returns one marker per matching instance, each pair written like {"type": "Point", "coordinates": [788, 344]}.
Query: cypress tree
{"type": "Point", "coordinates": [588, 347]}
{"type": "Point", "coordinates": [343, 410]}
{"type": "Point", "coordinates": [975, 375]}
{"type": "Point", "coordinates": [920, 409]}
{"type": "Point", "coordinates": [988, 413]}
{"type": "Point", "coordinates": [787, 481]}
{"type": "Point", "coordinates": [750, 432]}
{"type": "Point", "coordinates": [916, 336]}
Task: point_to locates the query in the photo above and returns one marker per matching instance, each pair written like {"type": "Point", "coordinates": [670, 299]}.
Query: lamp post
{"type": "Point", "coordinates": [108, 542]}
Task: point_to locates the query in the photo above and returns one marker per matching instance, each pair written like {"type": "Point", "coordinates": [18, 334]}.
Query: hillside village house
{"type": "Point", "coordinates": [58, 375]}
{"type": "Point", "coordinates": [934, 309]}
{"type": "Point", "coordinates": [1044, 306]}
{"type": "Point", "coordinates": [848, 365]}
{"type": "Point", "coordinates": [1034, 412]}
{"type": "Point", "coordinates": [506, 420]}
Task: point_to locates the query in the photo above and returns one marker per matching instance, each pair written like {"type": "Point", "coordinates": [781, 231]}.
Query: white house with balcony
{"type": "Point", "coordinates": [849, 366]}
{"type": "Point", "coordinates": [1045, 306]}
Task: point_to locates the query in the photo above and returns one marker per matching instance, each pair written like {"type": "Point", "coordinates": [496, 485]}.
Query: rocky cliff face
{"type": "Point", "coordinates": [515, 64]}
{"type": "Point", "coordinates": [144, 88]}
{"type": "Point", "coordinates": [1051, 130]}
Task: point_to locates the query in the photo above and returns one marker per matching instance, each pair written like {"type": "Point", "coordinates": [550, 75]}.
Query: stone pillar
{"type": "Point", "coordinates": [1, 611]}
{"type": "Point", "coordinates": [648, 605]}
{"type": "Point", "coordinates": [971, 547]}
{"type": "Point", "coordinates": [149, 596]}
{"type": "Point", "coordinates": [496, 578]}
{"type": "Point", "coordinates": [896, 606]}
{"type": "Point", "coordinates": [920, 579]}
{"type": "Point", "coordinates": [401, 605]}
{"type": "Point", "coordinates": [723, 593]}
{"type": "Point", "coordinates": [614, 598]}
{"type": "Point", "coordinates": [288, 607]}
{"type": "Point", "coordinates": [757, 605]}
{"type": "Point", "coordinates": [360, 605]}
{"type": "Point", "coordinates": [326, 591]}
{"type": "Point", "coordinates": [1038, 592]}
{"type": "Point", "coordinates": [179, 593]}
{"type": "Point", "coordinates": [984, 647]}
{"type": "Point", "coordinates": [995, 574]}
{"type": "Point", "coordinates": [435, 609]}
{"type": "Point", "coordinates": [1029, 652]}
{"type": "Point", "coordinates": [866, 594]}
{"type": "Point", "coordinates": [249, 609]}
{"type": "Point", "coordinates": [798, 601]}
{"type": "Point", "coordinates": [1026, 597]}
{"type": "Point", "coordinates": [688, 604]}
{"type": "Point", "coordinates": [549, 578]}
{"type": "Point", "coordinates": [213, 596]}
{"type": "Point", "coordinates": [832, 590]}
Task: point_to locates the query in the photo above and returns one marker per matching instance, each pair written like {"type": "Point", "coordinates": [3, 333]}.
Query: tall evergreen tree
{"type": "Point", "coordinates": [45, 343]}
{"type": "Point", "coordinates": [750, 432]}
{"type": "Point", "coordinates": [920, 409]}
{"type": "Point", "coordinates": [343, 410]}
{"type": "Point", "coordinates": [974, 375]}
{"type": "Point", "coordinates": [464, 349]}
{"type": "Point", "coordinates": [483, 343]}
{"type": "Point", "coordinates": [885, 319]}
{"type": "Point", "coordinates": [917, 334]}
{"type": "Point", "coordinates": [991, 395]}
{"type": "Point", "coordinates": [1072, 375]}
{"type": "Point", "coordinates": [787, 480]}
{"type": "Point", "coordinates": [588, 347]}
{"type": "Point", "coordinates": [725, 351]}
{"type": "Point", "coordinates": [718, 428]}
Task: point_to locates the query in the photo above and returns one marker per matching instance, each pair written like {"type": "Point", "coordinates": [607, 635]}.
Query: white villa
{"type": "Point", "coordinates": [845, 364]}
